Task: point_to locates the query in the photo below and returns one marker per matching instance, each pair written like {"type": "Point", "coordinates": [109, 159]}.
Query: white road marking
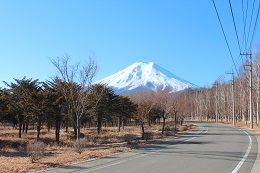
{"type": "Point", "coordinates": [116, 163]}
{"type": "Point", "coordinates": [139, 156]}
{"type": "Point", "coordinates": [246, 154]}
{"type": "Point", "coordinates": [189, 139]}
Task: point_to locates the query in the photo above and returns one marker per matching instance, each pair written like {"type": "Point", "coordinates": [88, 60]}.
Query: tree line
{"type": "Point", "coordinates": [216, 102]}
{"type": "Point", "coordinates": [71, 100]}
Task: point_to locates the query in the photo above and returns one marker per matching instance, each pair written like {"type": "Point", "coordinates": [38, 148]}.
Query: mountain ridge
{"type": "Point", "coordinates": [145, 75]}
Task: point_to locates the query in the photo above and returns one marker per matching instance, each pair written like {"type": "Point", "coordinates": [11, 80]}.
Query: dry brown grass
{"type": "Point", "coordinates": [13, 157]}
{"type": "Point", "coordinates": [245, 125]}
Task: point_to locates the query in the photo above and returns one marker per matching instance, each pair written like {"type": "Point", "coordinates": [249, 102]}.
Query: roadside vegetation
{"type": "Point", "coordinates": [68, 119]}
{"type": "Point", "coordinates": [216, 102]}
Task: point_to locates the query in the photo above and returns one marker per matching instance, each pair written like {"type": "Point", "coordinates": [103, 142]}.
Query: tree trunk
{"type": "Point", "coordinates": [75, 130]}
{"type": "Point", "coordinates": [38, 131]}
{"type": "Point", "coordinates": [57, 131]}
{"type": "Point", "coordinates": [163, 125]}
{"type": "Point", "coordinates": [175, 122]}
{"type": "Point", "coordinates": [20, 117]}
{"type": "Point", "coordinates": [78, 128]}
{"type": "Point", "coordinates": [143, 132]}
{"type": "Point", "coordinates": [14, 122]}
{"type": "Point", "coordinates": [49, 126]}
{"type": "Point", "coordinates": [67, 124]}
{"type": "Point", "coordinates": [99, 125]}
{"type": "Point", "coordinates": [119, 123]}
{"type": "Point", "coordinates": [149, 122]}
{"type": "Point", "coordinates": [257, 112]}
{"type": "Point", "coordinates": [20, 129]}
{"type": "Point", "coordinates": [26, 126]}
{"type": "Point", "coordinates": [23, 127]}
{"type": "Point", "coordinates": [67, 121]}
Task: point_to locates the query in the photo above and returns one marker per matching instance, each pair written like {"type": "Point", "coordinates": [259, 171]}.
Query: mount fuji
{"type": "Point", "coordinates": [145, 75]}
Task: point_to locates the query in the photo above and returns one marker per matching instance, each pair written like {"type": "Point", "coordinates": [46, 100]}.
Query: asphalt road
{"type": "Point", "coordinates": [214, 148]}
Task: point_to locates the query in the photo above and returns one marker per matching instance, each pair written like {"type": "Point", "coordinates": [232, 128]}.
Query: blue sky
{"type": "Point", "coordinates": [182, 36]}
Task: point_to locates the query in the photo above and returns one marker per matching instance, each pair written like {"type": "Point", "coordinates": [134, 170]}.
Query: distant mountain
{"type": "Point", "coordinates": [145, 75]}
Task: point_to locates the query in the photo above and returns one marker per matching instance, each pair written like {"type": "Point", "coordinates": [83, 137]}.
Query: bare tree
{"type": "Point", "coordinates": [165, 101]}
{"type": "Point", "coordinates": [77, 79]}
{"type": "Point", "coordinates": [176, 103]}
{"type": "Point", "coordinates": [145, 100]}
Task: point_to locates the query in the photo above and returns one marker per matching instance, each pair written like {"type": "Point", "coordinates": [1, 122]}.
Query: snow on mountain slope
{"type": "Point", "coordinates": [145, 75]}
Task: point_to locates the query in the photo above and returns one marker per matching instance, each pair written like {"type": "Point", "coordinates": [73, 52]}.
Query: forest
{"type": "Point", "coordinates": [70, 100]}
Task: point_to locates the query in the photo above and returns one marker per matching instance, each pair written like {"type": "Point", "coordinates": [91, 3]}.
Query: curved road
{"type": "Point", "coordinates": [214, 148]}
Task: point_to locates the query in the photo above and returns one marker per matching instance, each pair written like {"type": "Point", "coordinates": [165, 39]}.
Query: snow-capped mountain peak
{"type": "Point", "coordinates": [144, 75]}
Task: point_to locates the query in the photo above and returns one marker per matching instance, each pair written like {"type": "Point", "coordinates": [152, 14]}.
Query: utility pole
{"type": "Point", "coordinates": [233, 96]}
{"type": "Point", "coordinates": [197, 104]}
{"type": "Point", "coordinates": [216, 84]}
{"type": "Point", "coordinates": [250, 87]}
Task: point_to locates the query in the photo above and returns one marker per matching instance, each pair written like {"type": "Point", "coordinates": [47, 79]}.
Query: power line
{"type": "Point", "coordinates": [250, 24]}
{"type": "Point", "coordinates": [234, 24]}
{"type": "Point", "coordinates": [240, 60]}
{"type": "Point", "coordinates": [255, 25]}
{"type": "Point", "coordinates": [224, 35]}
{"type": "Point", "coordinates": [244, 23]}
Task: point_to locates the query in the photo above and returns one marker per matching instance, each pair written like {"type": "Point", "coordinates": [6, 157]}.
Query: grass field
{"type": "Point", "coordinates": [14, 158]}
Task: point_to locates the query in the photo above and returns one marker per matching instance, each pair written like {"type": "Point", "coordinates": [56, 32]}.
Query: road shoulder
{"type": "Point", "coordinates": [256, 166]}
{"type": "Point", "coordinates": [118, 158]}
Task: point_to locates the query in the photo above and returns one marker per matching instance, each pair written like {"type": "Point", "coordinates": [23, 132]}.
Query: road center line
{"type": "Point", "coordinates": [246, 154]}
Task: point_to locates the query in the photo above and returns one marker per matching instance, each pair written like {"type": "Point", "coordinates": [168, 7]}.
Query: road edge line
{"type": "Point", "coordinates": [246, 154]}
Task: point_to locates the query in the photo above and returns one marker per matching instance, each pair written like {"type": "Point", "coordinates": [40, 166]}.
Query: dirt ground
{"type": "Point", "coordinates": [245, 126]}
{"type": "Point", "coordinates": [13, 156]}
{"type": "Point", "coordinates": [239, 124]}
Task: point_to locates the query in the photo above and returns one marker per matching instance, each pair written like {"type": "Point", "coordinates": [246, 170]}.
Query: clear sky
{"type": "Point", "coordinates": [182, 36]}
